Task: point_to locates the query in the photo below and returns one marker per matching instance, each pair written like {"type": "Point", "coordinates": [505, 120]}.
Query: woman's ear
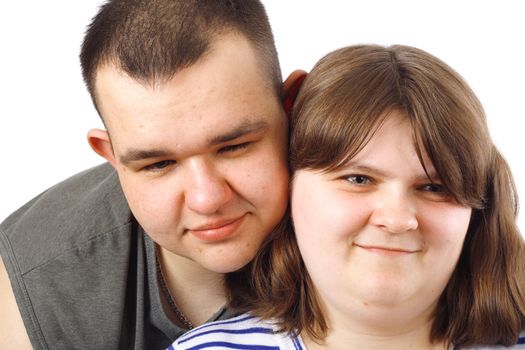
{"type": "Point", "coordinates": [290, 88]}
{"type": "Point", "coordinates": [100, 143]}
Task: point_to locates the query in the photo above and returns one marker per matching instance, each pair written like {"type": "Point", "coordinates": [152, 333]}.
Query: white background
{"type": "Point", "coordinates": [45, 110]}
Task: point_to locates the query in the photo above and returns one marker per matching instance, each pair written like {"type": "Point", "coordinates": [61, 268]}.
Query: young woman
{"type": "Point", "coordinates": [403, 210]}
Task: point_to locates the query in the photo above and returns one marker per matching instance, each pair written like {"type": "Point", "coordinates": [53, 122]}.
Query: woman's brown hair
{"type": "Point", "coordinates": [342, 103]}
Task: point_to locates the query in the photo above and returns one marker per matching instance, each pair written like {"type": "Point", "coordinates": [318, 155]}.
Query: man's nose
{"type": "Point", "coordinates": [207, 190]}
{"type": "Point", "coordinates": [395, 212]}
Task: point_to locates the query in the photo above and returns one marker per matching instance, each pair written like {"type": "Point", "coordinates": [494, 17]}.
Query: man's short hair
{"type": "Point", "coordinates": [151, 40]}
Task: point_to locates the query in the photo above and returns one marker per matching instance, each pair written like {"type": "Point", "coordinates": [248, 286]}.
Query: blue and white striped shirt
{"type": "Point", "coordinates": [241, 332]}
{"type": "Point", "coordinates": [246, 332]}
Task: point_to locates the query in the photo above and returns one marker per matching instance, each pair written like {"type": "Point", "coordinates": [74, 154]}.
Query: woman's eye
{"type": "Point", "coordinates": [159, 165]}
{"type": "Point", "coordinates": [433, 188]}
{"type": "Point", "coordinates": [233, 148]}
{"type": "Point", "coordinates": [359, 179]}
{"type": "Point", "coordinates": [436, 192]}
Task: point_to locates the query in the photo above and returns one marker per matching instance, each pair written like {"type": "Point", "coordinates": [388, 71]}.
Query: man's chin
{"type": "Point", "coordinates": [226, 266]}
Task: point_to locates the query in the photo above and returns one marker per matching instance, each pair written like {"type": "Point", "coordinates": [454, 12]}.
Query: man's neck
{"type": "Point", "coordinates": [197, 292]}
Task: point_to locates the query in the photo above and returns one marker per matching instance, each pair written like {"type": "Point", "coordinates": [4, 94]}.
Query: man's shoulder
{"type": "Point", "coordinates": [75, 210]}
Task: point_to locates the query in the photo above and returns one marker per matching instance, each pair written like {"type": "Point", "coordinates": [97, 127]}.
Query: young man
{"type": "Point", "coordinates": [132, 253]}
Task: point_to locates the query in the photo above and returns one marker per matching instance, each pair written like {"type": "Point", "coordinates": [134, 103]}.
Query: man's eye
{"type": "Point", "coordinates": [159, 165]}
{"type": "Point", "coordinates": [233, 148]}
{"type": "Point", "coordinates": [359, 179]}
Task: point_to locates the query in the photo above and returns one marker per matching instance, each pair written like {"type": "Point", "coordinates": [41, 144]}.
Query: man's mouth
{"type": "Point", "coordinates": [217, 230]}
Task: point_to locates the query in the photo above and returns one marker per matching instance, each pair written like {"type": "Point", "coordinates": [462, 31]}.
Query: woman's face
{"type": "Point", "coordinates": [377, 236]}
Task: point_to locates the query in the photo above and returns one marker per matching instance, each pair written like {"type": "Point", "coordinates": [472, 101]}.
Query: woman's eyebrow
{"type": "Point", "coordinates": [356, 166]}
{"type": "Point", "coordinates": [431, 173]}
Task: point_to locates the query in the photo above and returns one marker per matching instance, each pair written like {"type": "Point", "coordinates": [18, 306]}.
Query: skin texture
{"type": "Point", "coordinates": [202, 162]}
{"type": "Point", "coordinates": [12, 331]}
{"type": "Point", "coordinates": [393, 239]}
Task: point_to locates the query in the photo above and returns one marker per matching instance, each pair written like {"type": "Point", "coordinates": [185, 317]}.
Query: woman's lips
{"type": "Point", "coordinates": [383, 250]}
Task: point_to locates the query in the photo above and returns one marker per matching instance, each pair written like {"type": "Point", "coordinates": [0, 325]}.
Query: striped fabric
{"type": "Point", "coordinates": [241, 332]}
{"type": "Point", "coordinates": [520, 345]}
{"type": "Point", "coordinates": [246, 332]}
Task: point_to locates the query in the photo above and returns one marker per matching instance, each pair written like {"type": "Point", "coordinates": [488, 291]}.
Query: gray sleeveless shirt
{"type": "Point", "coordinates": [83, 271]}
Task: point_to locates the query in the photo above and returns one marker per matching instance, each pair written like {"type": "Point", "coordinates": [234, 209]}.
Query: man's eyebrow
{"type": "Point", "coordinates": [241, 130]}
{"type": "Point", "coordinates": [133, 155]}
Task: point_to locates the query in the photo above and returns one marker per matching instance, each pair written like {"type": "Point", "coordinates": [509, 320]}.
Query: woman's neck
{"type": "Point", "coordinates": [377, 330]}
{"type": "Point", "coordinates": [348, 340]}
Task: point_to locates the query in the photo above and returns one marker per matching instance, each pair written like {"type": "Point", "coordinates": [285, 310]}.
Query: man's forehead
{"type": "Point", "coordinates": [210, 135]}
{"type": "Point", "coordinates": [217, 99]}
{"type": "Point", "coordinates": [127, 103]}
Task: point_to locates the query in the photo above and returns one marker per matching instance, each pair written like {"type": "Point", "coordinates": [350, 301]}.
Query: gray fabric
{"type": "Point", "coordinates": [83, 271]}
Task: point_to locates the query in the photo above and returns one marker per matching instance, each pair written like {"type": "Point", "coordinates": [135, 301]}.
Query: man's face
{"type": "Point", "coordinates": [201, 157]}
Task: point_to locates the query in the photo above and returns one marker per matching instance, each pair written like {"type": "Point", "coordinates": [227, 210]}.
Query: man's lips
{"type": "Point", "coordinates": [385, 250]}
{"type": "Point", "coordinates": [217, 230]}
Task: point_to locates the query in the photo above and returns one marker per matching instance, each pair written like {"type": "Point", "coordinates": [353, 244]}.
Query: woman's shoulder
{"type": "Point", "coordinates": [244, 330]}
{"type": "Point", "coordinates": [520, 345]}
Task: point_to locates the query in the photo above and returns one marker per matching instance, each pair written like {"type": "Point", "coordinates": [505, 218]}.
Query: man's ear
{"type": "Point", "coordinates": [100, 143]}
{"type": "Point", "coordinates": [290, 88]}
